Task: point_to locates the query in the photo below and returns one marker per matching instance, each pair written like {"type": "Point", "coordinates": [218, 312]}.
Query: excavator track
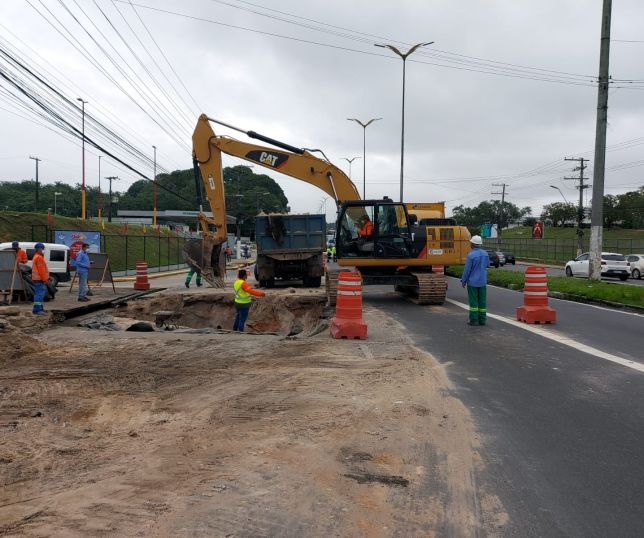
{"type": "Point", "coordinates": [331, 280]}
{"type": "Point", "coordinates": [431, 288]}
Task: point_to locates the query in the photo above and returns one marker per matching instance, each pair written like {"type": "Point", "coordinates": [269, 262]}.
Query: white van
{"type": "Point", "coordinates": [56, 256]}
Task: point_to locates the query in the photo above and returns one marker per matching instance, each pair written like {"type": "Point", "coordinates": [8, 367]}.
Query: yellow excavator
{"type": "Point", "coordinates": [390, 243]}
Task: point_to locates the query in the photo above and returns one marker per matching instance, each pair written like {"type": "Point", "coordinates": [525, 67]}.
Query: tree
{"type": "Point", "coordinates": [630, 207]}
{"type": "Point", "coordinates": [489, 212]}
{"type": "Point", "coordinates": [559, 213]}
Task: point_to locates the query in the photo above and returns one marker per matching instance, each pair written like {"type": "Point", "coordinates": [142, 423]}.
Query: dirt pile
{"type": "Point", "coordinates": [297, 313]}
{"type": "Point", "coordinates": [14, 342]}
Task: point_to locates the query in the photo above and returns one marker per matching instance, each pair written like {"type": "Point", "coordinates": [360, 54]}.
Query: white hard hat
{"type": "Point", "coordinates": [476, 240]}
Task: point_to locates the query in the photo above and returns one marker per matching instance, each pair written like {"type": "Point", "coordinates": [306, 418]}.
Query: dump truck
{"type": "Point", "coordinates": [290, 247]}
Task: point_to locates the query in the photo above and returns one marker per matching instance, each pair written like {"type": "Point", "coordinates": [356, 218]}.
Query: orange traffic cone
{"type": "Point", "coordinates": [142, 282]}
{"type": "Point", "coordinates": [535, 307]}
{"type": "Point", "coordinates": [348, 322]}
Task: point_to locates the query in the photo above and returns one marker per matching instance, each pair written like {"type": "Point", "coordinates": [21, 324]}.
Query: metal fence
{"type": "Point", "coordinates": [559, 250]}
{"type": "Point", "coordinates": [161, 252]}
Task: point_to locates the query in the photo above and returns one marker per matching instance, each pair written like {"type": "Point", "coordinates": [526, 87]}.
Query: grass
{"type": "Point", "coordinates": [570, 233]}
{"type": "Point", "coordinates": [124, 248]}
{"type": "Point", "coordinates": [577, 287]}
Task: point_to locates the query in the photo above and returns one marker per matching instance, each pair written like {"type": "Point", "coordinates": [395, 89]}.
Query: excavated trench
{"type": "Point", "coordinates": [285, 314]}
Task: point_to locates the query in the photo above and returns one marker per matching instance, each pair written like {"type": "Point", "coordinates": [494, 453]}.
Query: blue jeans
{"type": "Point", "coordinates": [241, 316]}
{"type": "Point", "coordinates": [82, 284]}
{"type": "Point", "coordinates": [39, 296]}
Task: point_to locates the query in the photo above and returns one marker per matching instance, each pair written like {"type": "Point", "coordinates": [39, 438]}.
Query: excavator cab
{"type": "Point", "coordinates": [374, 229]}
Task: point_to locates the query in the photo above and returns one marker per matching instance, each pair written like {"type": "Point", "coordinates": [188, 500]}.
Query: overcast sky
{"type": "Point", "coordinates": [464, 129]}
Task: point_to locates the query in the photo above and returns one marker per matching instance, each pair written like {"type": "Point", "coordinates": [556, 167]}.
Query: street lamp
{"type": "Point", "coordinates": [364, 150]}
{"type": "Point", "coordinates": [562, 194]}
{"type": "Point", "coordinates": [83, 186]}
{"type": "Point", "coordinates": [56, 195]}
{"type": "Point", "coordinates": [351, 161]}
{"type": "Point", "coordinates": [404, 57]}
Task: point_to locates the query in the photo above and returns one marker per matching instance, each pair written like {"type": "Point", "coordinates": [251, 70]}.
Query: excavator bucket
{"type": "Point", "coordinates": [207, 256]}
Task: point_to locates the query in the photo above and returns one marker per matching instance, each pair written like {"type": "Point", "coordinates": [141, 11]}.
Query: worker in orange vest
{"type": "Point", "coordinates": [39, 276]}
{"type": "Point", "coordinates": [243, 297]}
{"type": "Point", "coordinates": [366, 229]}
{"type": "Point", "coordinates": [21, 255]}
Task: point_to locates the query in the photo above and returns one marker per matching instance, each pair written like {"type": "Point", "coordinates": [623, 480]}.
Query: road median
{"type": "Point", "coordinates": [571, 289]}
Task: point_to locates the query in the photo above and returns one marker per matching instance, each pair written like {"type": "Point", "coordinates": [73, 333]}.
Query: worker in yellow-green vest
{"type": "Point", "coordinates": [243, 298]}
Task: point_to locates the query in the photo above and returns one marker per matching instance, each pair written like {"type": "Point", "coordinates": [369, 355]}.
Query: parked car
{"type": "Point", "coordinates": [501, 258]}
{"type": "Point", "coordinates": [56, 256]}
{"type": "Point", "coordinates": [637, 265]}
{"type": "Point", "coordinates": [613, 265]}
{"type": "Point", "coordinates": [509, 258]}
{"type": "Point", "coordinates": [494, 258]}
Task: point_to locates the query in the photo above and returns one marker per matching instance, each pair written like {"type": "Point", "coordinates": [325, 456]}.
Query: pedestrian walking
{"type": "Point", "coordinates": [475, 278]}
{"type": "Point", "coordinates": [82, 271]}
{"type": "Point", "coordinates": [243, 297]}
{"type": "Point", "coordinates": [190, 274]}
{"type": "Point", "coordinates": [39, 276]}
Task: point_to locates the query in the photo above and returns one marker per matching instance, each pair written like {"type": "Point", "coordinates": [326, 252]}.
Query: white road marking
{"type": "Point", "coordinates": [559, 338]}
{"type": "Point", "coordinates": [616, 310]}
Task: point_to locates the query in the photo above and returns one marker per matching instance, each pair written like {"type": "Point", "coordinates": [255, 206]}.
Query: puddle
{"type": "Point", "coordinates": [287, 314]}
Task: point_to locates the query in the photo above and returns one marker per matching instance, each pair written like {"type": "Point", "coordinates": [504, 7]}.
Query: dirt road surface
{"type": "Point", "coordinates": [168, 434]}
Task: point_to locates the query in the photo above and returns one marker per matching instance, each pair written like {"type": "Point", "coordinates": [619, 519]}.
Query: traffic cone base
{"type": "Point", "coordinates": [536, 314]}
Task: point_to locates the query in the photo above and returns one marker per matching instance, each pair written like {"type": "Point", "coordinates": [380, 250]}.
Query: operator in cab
{"type": "Point", "coordinates": [243, 297]}
{"type": "Point", "coordinates": [21, 255]}
{"type": "Point", "coordinates": [366, 227]}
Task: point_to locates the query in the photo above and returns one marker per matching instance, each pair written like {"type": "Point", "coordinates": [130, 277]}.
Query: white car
{"type": "Point", "coordinates": [637, 264]}
{"type": "Point", "coordinates": [613, 265]}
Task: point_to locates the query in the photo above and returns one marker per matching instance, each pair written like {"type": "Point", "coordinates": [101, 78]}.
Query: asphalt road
{"type": "Point", "coordinates": [555, 271]}
{"type": "Point", "coordinates": [561, 429]}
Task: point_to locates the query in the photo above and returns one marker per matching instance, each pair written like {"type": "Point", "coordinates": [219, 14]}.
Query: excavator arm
{"type": "Point", "coordinates": [206, 254]}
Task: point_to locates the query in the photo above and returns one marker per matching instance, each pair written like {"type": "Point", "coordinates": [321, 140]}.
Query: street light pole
{"type": "Point", "coordinates": [154, 188]}
{"type": "Point", "coordinates": [56, 195]}
{"type": "Point", "coordinates": [562, 194]}
{"type": "Point", "coordinates": [364, 151]}
{"type": "Point", "coordinates": [36, 196]}
{"type": "Point", "coordinates": [351, 161]}
{"type": "Point", "coordinates": [83, 208]}
{"type": "Point", "coordinates": [404, 57]}
{"type": "Point", "coordinates": [109, 215]}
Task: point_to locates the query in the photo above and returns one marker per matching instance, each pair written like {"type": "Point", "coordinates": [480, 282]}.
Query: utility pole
{"type": "Point", "coordinates": [36, 196]}
{"type": "Point", "coordinates": [364, 126]}
{"type": "Point", "coordinates": [99, 204]}
{"type": "Point", "coordinates": [597, 216]}
{"type": "Point", "coordinates": [502, 193]}
{"type": "Point", "coordinates": [350, 161]}
{"type": "Point", "coordinates": [154, 188]}
{"type": "Point", "coordinates": [580, 207]}
{"type": "Point", "coordinates": [109, 214]}
{"type": "Point", "coordinates": [83, 207]}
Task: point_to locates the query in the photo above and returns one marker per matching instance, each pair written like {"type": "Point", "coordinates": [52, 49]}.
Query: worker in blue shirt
{"type": "Point", "coordinates": [475, 278]}
{"type": "Point", "coordinates": [82, 264]}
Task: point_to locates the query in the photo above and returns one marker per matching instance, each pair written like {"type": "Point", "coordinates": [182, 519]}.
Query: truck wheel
{"type": "Point", "coordinates": [270, 283]}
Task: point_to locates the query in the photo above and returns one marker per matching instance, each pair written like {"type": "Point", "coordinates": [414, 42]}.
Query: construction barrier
{"type": "Point", "coordinates": [141, 282]}
{"type": "Point", "coordinates": [348, 322]}
{"type": "Point", "coordinates": [535, 307]}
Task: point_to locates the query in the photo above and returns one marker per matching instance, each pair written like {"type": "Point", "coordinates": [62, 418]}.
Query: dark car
{"type": "Point", "coordinates": [494, 258]}
{"type": "Point", "coordinates": [509, 258]}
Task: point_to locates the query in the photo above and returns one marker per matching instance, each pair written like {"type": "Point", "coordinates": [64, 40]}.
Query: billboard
{"type": "Point", "coordinates": [74, 239]}
{"type": "Point", "coordinates": [537, 230]}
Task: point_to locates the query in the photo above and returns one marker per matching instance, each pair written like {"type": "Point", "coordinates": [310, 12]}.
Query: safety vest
{"type": "Point", "coordinates": [39, 269]}
{"type": "Point", "coordinates": [241, 295]}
